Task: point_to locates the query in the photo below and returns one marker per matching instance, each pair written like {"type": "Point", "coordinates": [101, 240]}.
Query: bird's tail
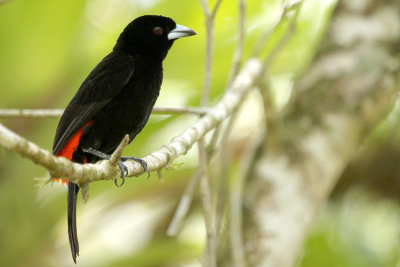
{"type": "Point", "coordinates": [72, 233]}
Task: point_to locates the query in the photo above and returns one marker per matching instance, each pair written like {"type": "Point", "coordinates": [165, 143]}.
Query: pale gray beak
{"type": "Point", "coordinates": [179, 32]}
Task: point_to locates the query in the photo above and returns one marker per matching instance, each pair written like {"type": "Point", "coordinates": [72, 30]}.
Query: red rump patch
{"type": "Point", "coordinates": [68, 150]}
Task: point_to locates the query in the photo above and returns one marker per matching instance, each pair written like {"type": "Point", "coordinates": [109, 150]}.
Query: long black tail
{"type": "Point", "coordinates": [73, 190]}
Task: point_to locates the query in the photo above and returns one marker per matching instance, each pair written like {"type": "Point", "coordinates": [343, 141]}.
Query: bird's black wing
{"type": "Point", "coordinates": [100, 87]}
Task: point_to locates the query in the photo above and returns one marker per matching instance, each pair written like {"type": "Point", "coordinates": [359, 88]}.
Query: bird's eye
{"type": "Point", "coordinates": [158, 30]}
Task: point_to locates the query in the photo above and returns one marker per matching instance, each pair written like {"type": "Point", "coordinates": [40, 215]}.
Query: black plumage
{"type": "Point", "coordinates": [116, 98]}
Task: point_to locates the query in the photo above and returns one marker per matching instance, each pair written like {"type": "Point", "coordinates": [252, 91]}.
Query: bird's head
{"type": "Point", "coordinates": [151, 36]}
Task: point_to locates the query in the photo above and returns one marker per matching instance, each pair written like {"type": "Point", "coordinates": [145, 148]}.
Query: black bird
{"type": "Point", "coordinates": [114, 100]}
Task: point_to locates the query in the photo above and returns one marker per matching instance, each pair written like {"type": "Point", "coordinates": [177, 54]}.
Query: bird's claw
{"type": "Point", "coordinates": [124, 172]}
{"type": "Point", "coordinates": [140, 161]}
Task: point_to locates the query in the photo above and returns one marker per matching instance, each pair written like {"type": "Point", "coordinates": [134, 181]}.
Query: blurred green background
{"type": "Point", "coordinates": [48, 47]}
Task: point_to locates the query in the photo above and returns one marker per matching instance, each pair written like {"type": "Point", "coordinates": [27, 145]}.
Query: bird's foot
{"type": "Point", "coordinates": [122, 167]}
{"type": "Point", "coordinates": [124, 172]}
{"type": "Point", "coordinates": [140, 161]}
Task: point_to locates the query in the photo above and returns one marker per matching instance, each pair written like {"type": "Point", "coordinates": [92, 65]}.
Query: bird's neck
{"type": "Point", "coordinates": [155, 55]}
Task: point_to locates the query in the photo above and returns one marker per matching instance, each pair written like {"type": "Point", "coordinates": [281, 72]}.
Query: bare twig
{"type": "Point", "coordinates": [206, 9]}
{"type": "Point", "coordinates": [224, 160]}
{"type": "Point", "coordinates": [116, 156]}
{"type": "Point", "coordinates": [86, 173]}
{"type": "Point", "coordinates": [286, 37]}
{"type": "Point", "coordinates": [184, 205]}
{"type": "Point", "coordinates": [236, 233]}
{"type": "Point", "coordinates": [212, 145]}
{"type": "Point", "coordinates": [55, 113]}
{"type": "Point", "coordinates": [288, 5]}
{"type": "Point", "coordinates": [235, 205]}
{"type": "Point", "coordinates": [181, 110]}
{"type": "Point", "coordinates": [209, 21]}
{"type": "Point", "coordinates": [215, 9]}
{"type": "Point", "coordinates": [237, 57]}
{"type": "Point", "coordinates": [31, 113]}
{"type": "Point", "coordinates": [269, 107]}
{"type": "Point", "coordinates": [210, 258]}
{"type": "Point", "coordinates": [210, 253]}
{"type": "Point", "coordinates": [208, 67]}
{"type": "Point", "coordinates": [238, 258]}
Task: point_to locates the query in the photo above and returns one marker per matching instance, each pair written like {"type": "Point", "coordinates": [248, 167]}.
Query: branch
{"type": "Point", "coordinates": [210, 259]}
{"type": "Point", "coordinates": [236, 62]}
{"type": "Point", "coordinates": [206, 196]}
{"type": "Point", "coordinates": [31, 113]}
{"type": "Point", "coordinates": [210, 20]}
{"type": "Point", "coordinates": [55, 113]}
{"type": "Point", "coordinates": [237, 57]}
{"type": "Point", "coordinates": [104, 170]}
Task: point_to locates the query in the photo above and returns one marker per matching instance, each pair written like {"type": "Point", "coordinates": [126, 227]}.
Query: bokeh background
{"type": "Point", "coordinates": [46, 50]}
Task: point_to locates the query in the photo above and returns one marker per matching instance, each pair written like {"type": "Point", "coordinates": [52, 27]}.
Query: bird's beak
{"type": "Point", "coordinates": [179, 32]}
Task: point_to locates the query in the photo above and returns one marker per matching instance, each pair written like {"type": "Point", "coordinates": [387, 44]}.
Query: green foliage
{"type": "Point", "coordinates": [360, 230]}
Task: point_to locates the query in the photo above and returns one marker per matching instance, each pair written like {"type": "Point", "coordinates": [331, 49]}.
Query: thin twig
{"type": "Point", "coordinates": [215, 9]}
{"type": "Point", "coordinates": [287, 6]}
{"type": "Point", "coordinates": [210, 253]}
{"type": "Point", "coordinates": [237, 57]}
{"type": "Point", "coordinates": [183, 206]}
{"type": "Point", "coordinates": [186, 198]}
{"type": "Point", "coordinates": [206, 9]}
{"type": "Point", "coordinates": [181, 110]}
{"type": "Point", "coordinates": [209, 21]}
{"type": "Point", "coordinates": [235, 205]}
{"type": "Point", "coordinates": [224, 160]}
{"type": "Point", "coordinates": [208, 63]}
{"type": "Point", "coordinates": [212, 145]}
{"type": "Point", "coordinates": [269, 108]}
{"type": "Point", "coordinates": [55, 113]}
{"type": "Point", "coordinates": [210, 257]}
{"type": "Point", "coordinates": [31, 113]}
{"type": "Point", "coordinates": [116, 156]}
{"type": "Point", "coordinates": [284, 40]}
